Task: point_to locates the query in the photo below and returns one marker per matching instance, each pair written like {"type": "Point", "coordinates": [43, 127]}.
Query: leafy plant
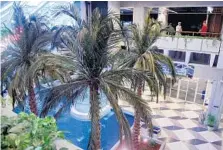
{"type": "Point", "coordinates": [211, 120]}
{"type": "Point", "coordinates": [28, 132]}
{"type": "Point", "coordinates": [152, 143]}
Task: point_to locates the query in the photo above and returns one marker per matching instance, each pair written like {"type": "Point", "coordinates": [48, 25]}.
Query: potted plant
{"type": "Point", "coordinates": [211, 122]}
{"type": "Point", "coordinates": [28, 132]}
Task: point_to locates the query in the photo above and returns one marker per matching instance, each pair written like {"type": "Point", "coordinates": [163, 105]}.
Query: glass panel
{"type": "Point", "coordinates": [200, 58]}
{"type": "Point", "coordinates": [182, 95]}
{"type": "Point", "coordinates": [177, 55]}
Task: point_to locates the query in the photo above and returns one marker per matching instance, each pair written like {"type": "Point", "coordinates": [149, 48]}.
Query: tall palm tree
{"type": "Point", "coordinates": [30, 37]}
{"type": "Point", "coordinates": [90, 62]}
{"type": "Point", "coordinates": [142, 55]}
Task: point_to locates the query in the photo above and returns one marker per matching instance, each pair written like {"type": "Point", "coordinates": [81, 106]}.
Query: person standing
{"type": "Point", "coordinates": [204, 29]}
{"type": "Point", "coordinates": [170, 29]}
{"type": "Point", "coordinates": [178, 29]}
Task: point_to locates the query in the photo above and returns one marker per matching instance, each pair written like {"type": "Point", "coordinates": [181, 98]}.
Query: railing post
{"type": "Point", "coordinates": [187, 89]}
{"type": "Point", "coordinates": [178, 88]}
{"type": "Point", "coordinates": [196, 91]}
{"type": "Point", "coordinates": [170, 88]}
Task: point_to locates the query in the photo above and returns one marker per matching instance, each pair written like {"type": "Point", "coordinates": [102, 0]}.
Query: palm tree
{"type": "Point", "coordinates": [69, 30]}
{"type": "Point", "coordinates": [142, 55]}
{"type": "Point", "coordinates": [90, 62]}
{"type": "Point", "coordinates": [30, 37]}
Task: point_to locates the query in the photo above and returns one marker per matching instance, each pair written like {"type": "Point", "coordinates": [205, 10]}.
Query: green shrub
{"type": "Point", "coordinates": [211, 120]}
{"type": "Point", "coordinates": [28, 132]}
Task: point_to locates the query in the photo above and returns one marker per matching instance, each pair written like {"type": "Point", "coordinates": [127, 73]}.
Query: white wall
{"type": "Point", "coordinates": [189, 44]}
{"type": "Point", "coordinates": [220, 60]}
{"type": "Point", "coordinates": [206, 72]}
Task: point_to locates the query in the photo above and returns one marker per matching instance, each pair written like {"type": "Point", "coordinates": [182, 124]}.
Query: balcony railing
{"type": "Point", "coordinates": [198, 34]}
{"type": "Point", "coordinates": [194, 43]}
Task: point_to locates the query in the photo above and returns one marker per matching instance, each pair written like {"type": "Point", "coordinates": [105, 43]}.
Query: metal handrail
{"type": "Point", "coordinates": [207, 34]}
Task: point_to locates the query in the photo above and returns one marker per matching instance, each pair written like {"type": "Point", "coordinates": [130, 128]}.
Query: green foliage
{"type": "Point", "coordinates": [90, 59]}
{"type": "Point", "coordinates": [28, 132]}
{"type": "Point", "coordinates": [152, 143]}
{"type": "Point", "coordinates": [211, 120]}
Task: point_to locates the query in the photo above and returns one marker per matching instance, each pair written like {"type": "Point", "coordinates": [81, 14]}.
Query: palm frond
{"type": "Point", "coordinates": [69, 91]}
{"type": "Point", "coordinates": [123, 123]}
{"type": "Point", "coordinates": [134, 100]}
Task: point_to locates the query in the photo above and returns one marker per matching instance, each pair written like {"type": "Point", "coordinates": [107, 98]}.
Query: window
{"type": "Point", "coordinates": [200, 58]}
{"type": "Point", "coordinates": [215, 61]}
{"type": "Point", "coordinates": [126, 16]}
{"type": "Point", "coordinates": [177, 55]}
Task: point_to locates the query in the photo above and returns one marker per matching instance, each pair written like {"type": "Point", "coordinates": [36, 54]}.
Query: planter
{"type": "Point", "coordinates": [210, 128]}
{"type": "Point", "coordinates": [145, 145]}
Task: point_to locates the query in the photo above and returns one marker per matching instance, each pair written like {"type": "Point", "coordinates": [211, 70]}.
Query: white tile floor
{"type": "Point", "coordinates": [190, 114]}
{"type": "Point", "coordinates": [163, 122]}
{"type": "Point", "coordinates": [210, 136]}
{"type": "Point", "coordinates": [206, 146]}
{"type": "Point", "coordinates": [177, 146]}
{"type": "Point", "coordinates": [184, 135]}
{"type": "Point", "coordinates": [180, 127]}
{"type": "Point", "coordinates": [187, 123]}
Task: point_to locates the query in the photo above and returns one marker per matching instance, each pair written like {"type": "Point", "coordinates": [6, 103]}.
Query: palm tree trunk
{"type": "Point", "coordinates": [32, 99]}
{"type": "Point", "coordinates": [95, 137]}
{"type": "Point", "coordinates": [136, 126]}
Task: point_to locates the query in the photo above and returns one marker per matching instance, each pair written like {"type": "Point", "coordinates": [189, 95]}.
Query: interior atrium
{"type": "Point", "coordinates": [111, 75]}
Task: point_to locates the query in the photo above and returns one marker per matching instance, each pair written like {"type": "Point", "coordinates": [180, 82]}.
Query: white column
{"type": "Point", "coordinates": [163, 16]}
{"type": "Point", "coordinates": [220, 56]}
{"type": "Point", "coordinates": [114, 6]}
{"type": "Point", "coordinates": [187, 58]}
{"type": "Point", "coordinates": [166, 52]}
{"type": "Point", "coordinates": [83, 10]}
{"type": "Point", "coordinates": [212, 60]}
{"type": "Point", "coordinates": [215, 106]}
{"type": "Point", "coordinates": [220, 59]}
{"type": "Point", "coordinates": [139, 15]}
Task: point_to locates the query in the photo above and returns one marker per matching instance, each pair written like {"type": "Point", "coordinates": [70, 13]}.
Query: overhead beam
{"type": "Point", "coordinates": [170, 3]}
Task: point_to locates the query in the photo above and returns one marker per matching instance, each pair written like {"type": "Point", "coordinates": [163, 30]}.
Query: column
{"type": "Point", "coordinates": [212, 60]}
{"type": "Point", "coordinates": [220, 59]}
{"type": "Point", "coordinates": [114, 6]}
{"type": "Point", "coordinates": [139, 16]}
{"type": "Point", "coordinates": [215, 106]}
{"type": "Point", "coordinates": [166, 52]}
{"type": "Point", "coordinates": [187, 58]}
{"type": "Point", "coordinates": [163, 16]}
{"type": "Point", "coordinates": [83, 10]}
{"type": "Point", "coordinates": [220, 56]}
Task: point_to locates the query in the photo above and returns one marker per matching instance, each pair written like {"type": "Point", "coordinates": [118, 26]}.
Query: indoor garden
{"type": "Point", "coordinates": [67, 81]}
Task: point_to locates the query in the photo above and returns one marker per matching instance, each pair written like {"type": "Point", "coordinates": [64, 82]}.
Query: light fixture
{"type": "Point", "coordinates": [210, 9]}
{"type": "Point", "coordinates": [145, 140]}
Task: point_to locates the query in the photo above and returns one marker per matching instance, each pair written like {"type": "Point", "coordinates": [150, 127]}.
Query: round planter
{"type": "Point", "coordinates": [210, 128]}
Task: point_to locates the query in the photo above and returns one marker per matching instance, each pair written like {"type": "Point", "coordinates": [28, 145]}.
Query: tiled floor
{"type": "Point", "coordinates": [180, 127]}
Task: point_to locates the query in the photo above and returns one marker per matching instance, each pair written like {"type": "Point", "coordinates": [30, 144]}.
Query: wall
{"type": "Point", "coordinates": [206, 72]}
{"type": "Point", "coordinates": [192, 44]}
{"type": "Point", "coordinates": [189, 44]}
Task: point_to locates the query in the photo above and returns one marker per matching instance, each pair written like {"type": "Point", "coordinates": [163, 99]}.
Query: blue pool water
{"type": "Point", "coordinates": [78, 131]}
